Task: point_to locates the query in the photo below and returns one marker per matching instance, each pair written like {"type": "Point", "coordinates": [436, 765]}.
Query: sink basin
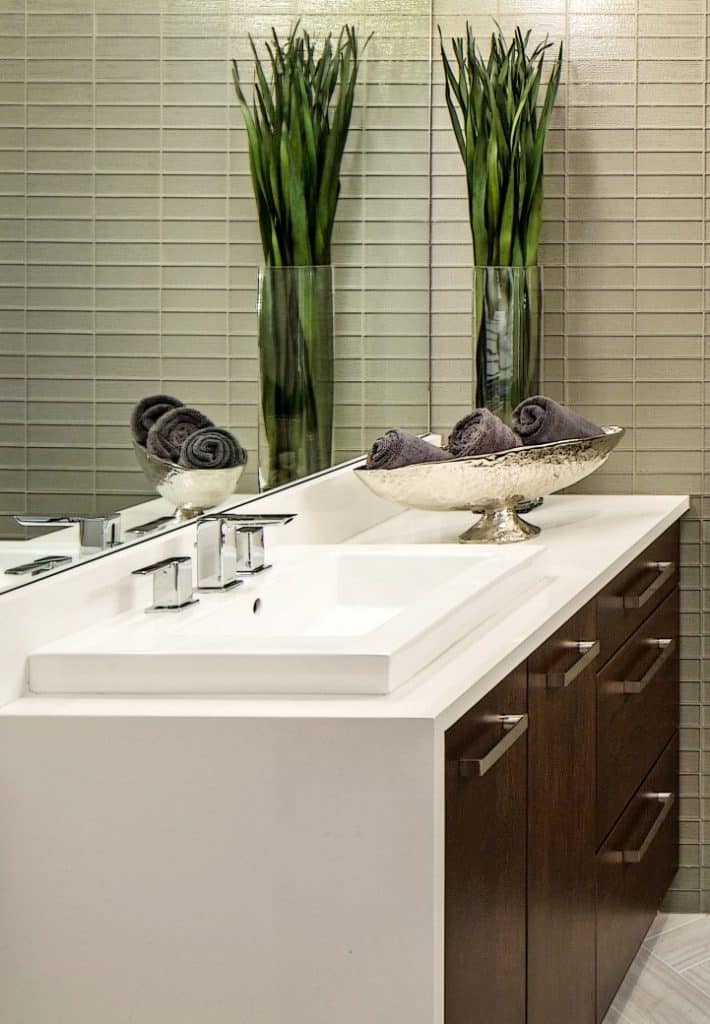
{"type": "Point", "coordinates": [324, 620]}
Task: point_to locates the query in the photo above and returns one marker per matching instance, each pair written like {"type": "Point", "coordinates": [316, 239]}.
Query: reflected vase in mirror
{"type": "Point", "coordinates": [296, 328]}
{"type": "Point", "coordinates": [508, 332]}
{"type": "Point", "coordinates": [297, 127]}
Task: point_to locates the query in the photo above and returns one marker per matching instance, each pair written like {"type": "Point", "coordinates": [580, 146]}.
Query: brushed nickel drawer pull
{"type": "Point", "coordinates": [665, 571]}
{"type": "Point", "coordinates": [666, 801]}
{"type": "Point", "coordinates": [665, 650]}
{"type": "Point", "coordinates": [589, 650]}
{"type": "Point", "coordinates": [514, 726]}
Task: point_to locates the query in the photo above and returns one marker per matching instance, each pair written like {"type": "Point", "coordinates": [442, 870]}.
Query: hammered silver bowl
{"type": "Point", "coordinates": [493, 485]}
{"type": "Point", "coordinates": [191, 491]}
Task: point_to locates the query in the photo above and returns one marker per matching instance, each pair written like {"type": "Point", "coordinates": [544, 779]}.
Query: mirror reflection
{"type": "Point", "coordinates": [132, 247]}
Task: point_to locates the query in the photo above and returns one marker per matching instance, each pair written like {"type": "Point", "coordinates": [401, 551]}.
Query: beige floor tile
{"type": "Point", "coordinates": [614, 1017]}
{"type": "Point", "coordinates": [669, 922]}
{"type": "Point", "coordinates": [683, 947]}
{"type": "Point", "coordinates": [700, 977]}
{"type": "Point", "coordinates": [654, 993]}
{"type": "Point", "coordinates": [638, 993]}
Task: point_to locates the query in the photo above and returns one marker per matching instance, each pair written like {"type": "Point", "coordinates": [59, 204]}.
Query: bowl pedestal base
{"type": "Point", "coordinates": [499, 526]}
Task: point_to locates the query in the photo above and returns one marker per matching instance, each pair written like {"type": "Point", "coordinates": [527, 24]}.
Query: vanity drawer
{"type": "Point", "coordinates": [634, 868]}
{"type": "Point", "coordinates": [637, 710]}
{"type": "Point", "coordinates": [639, 588]}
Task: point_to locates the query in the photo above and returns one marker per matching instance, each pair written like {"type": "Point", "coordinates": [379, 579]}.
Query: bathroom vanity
{"type": "Point", "coordinates": [488, 841]}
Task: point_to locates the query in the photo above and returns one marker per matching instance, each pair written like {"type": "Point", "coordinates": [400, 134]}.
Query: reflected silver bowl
{"type": "Point", "coordinates": [492, 485]}
{"type": "Point", "coordinates": [191, 491]}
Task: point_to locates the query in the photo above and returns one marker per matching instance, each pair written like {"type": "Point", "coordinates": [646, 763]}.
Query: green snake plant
{"type": "Point", "coordinates": [500, 131]}
{"type": "Point", "coordinates": [297, 127]}
{"type": "Point", "coordinates": [500, 113]}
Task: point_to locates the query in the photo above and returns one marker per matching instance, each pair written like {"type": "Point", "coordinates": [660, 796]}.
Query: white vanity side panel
{"type": "Point", "coordinates": [224, 871]}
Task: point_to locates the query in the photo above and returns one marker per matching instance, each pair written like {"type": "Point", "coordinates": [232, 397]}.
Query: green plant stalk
{"type": "Point", "coordinates": [500, 132]}
{"type": "Point", "coordinates": [297, 127]}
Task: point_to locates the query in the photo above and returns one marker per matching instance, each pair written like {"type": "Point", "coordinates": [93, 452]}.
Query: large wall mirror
{"type": "Point", "coordinates": [130, 242]}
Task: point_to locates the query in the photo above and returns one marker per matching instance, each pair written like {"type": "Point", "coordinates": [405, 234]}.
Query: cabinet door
{"type": "Point", "coordinates": [561, 825]}
{"type": "Point", "coordinates": [486, 772]}
{"type": "Point", "coordinates": [635, 867]}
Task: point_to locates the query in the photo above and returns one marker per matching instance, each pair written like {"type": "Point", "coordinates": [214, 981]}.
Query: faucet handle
{"type": "Point", "coordinates": [94, 531]}
{"type": "Point", "coordinates": [249, 538]}
{"type": "Point", "coordinates": [257, 519]}
{"type": "Point", "coordinates": [172, 583]}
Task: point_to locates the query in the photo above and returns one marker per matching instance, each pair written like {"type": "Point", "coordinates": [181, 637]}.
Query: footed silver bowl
{"type": "Point", "coordinates": [492, 485]}
{"type": "Point", "coordinates": [191, 491]}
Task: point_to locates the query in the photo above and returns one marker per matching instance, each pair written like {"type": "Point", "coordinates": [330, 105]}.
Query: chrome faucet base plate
{"type": "Point", "coordinates": [245, 573]}
{"type": "Point", "coordinates": [171, 607]}
{"type": "Point", "coordinates": [217, 589]}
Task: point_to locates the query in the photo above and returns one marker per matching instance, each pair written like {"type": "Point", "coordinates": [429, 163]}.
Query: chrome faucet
{"type": "Point", "coordinates": [230, 546]}
{"type": "Point", "coordinates": [98, 532]}
{"type": "Point", "coordinates": [172, 583]}
{"type": "Point", "coordinates": [43, 563]}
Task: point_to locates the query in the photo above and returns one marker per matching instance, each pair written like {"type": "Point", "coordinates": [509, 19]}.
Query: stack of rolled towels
{"type": "Point", "coordinates": [537, 420]}
{"type": "Point", "coordinates": [178, 433]}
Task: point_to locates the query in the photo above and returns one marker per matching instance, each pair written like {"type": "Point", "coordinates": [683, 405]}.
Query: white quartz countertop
{"type": "Point", "coordinates": [586, 541]}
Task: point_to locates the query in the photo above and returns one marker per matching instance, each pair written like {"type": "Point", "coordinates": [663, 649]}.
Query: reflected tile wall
{"type": "Point", "coordinates": [130, 242]}
{"type": "Point", "coordinates": [626, 284]}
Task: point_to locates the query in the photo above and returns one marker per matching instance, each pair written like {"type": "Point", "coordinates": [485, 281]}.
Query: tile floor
{"type": "Point", "coordinates": [669, 981]}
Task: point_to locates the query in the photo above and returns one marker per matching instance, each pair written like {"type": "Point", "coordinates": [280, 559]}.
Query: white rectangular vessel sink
{"type": "Point", "coordinates": [324, 620]}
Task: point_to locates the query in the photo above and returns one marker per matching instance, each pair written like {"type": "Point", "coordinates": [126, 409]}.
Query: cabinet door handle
{"type": "Point", "coordinates": [589, 651]}
{"type": "Point", "coordinates": [514, 726]}
{"type": "Point", "coordinates": [665, 570]}
{"type": "Point", "coordinates": [666, 801]}
{"type": "Point", "coordinates": [665, 649]}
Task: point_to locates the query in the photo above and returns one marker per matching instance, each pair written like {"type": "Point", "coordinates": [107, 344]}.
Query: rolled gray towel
{"type": "Point", "coordinates": [148, 411]}
{"type": "Point", "coordinates": [541, 420]}
{"type": "Point", "coordinates": [212, 448]}
{"type": "Point", "coordinates": [481, 432]}
{"type": "Point", "coordinates": [168, 434]}
{"type": "Point", "coordinates": [397, 448]}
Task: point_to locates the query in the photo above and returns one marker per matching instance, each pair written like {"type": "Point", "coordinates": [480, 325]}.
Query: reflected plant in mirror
{"type": "Point", "coordinates": [131, 245]}
{"type": "Point", "coordinates": [297, 126]}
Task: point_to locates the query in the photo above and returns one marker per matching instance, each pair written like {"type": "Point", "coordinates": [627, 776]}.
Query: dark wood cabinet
{"type": "Point", "coordinates": [637, 758]}
{"type": "Point", "coordinates": [561, 823]}
{"type": "Point", "coordinates": [637, 710]}
{"type": "Point", "coordinates": [562, 810]}
{"type": "Point", "coordinates": [639, 588]}
{"type": "Point", "coordinates": [486, 773]}
{"type": "Point", "coordinates": [636, 865]}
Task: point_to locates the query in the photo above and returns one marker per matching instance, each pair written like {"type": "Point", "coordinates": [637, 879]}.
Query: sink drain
{"type": "Point", "coordinates": [256, 607]}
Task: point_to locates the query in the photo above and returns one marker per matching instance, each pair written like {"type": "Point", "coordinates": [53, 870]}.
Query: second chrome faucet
{"type": "Point", "coordinates": [231, 546]}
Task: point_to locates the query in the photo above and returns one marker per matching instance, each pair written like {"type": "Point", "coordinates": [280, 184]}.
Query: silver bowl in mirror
{"type": "Point", "coordinates": [191, 491]}
{"type": "Point", "coordinates": [493, 485]}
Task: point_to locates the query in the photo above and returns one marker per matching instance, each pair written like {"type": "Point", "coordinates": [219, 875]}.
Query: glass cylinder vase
{"type": "Point", "coordinates": [507, 331]}
{"type": "Point", "coordinates": [296, 330]}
